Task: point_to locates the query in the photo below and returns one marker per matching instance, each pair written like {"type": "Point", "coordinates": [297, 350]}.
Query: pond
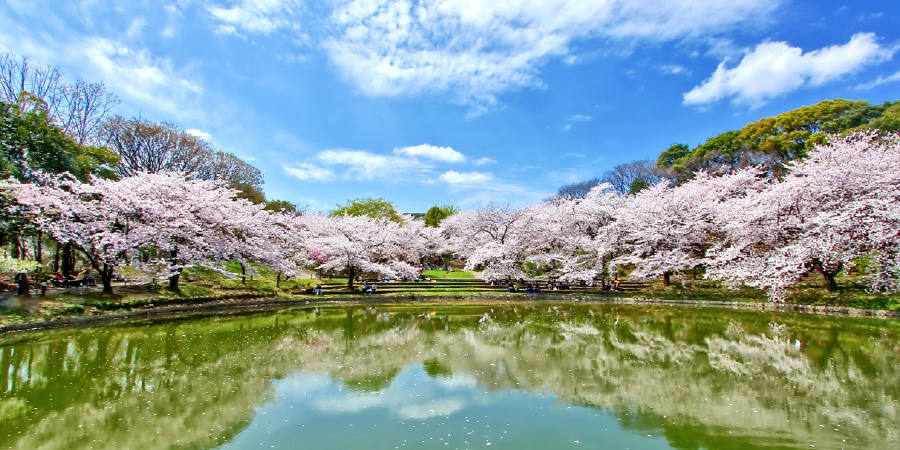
{"type": "Point", "coordinates": [527, 375]}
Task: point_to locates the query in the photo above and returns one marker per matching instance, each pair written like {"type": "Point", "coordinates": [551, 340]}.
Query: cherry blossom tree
{"type": "Point", "coordinates": [184, 221]}
{"type": "Point", "coordinates": [199, 222]}
{"type": "Point", "coordinates": [71, 211]}
{"type": "Point", "coordinates": [358, 244]}
{"type": "Point", "coordinates": [841, 203]}
{"type": "Point", "coordinates": [667, 229]}
{"type": "Point", "coordinates": [490, 238]}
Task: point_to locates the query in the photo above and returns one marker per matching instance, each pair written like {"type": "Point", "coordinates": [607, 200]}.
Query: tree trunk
{"type": "Point", "coordinates": [39, 248]}
{"type": "Point", "coordinates": [278, 280]}
{"type": "Point", "coordinates": [56, 258]}
{"type": "Point", "coordinates": [667, 280]}
{"type": "Point", "coordinates": [68, 260]}
{"type": "Point", "coordinates": [17, 248]}
{"type": "Point", "coordinates": [106, 276]}
{"type": "Point", "coordinates": [830, 283]}
{"type": "Point", "coordinates": [352, 273]}
{"type": "Point", "coordinates": [243, 274]}
{"type": "Point", "coordinates": [173, 281]}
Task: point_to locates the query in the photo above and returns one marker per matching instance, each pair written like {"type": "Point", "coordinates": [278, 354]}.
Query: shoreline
{"type": "Point", "coordinates": [263, 303]}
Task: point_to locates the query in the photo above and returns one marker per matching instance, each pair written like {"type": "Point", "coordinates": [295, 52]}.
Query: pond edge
{"type": "Point", "coordinates": [254, 305]}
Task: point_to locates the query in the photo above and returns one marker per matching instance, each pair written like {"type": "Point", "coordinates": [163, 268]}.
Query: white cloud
{"type": "Point", "coordinates": [465, 178]}
{"type": "Point", "coordinates": [200, 134]}
{"type": "Point", "coordinates": [229, 30]}
{"type": "Point", "coordinates": [674, 69]}
{"type": "Point", "coordinates": [136, 28]}
{"type": "Point", "coordinates": [574, 119]}
{"type": "Point", "coordinates": [446, 154]}
{"type": "Point", "coordinates": [435, 408]}
{"type": "Point", "coordinates": [257, 16]}
{"type": "Point", "coordinates": [775, 68]}
{"type": "Point", "coordinates": [132, 73]}
{"type": "Point", "coordinates": [483, 161]}
{"type": "Point", "coordinates": [879, 81]}
{"type": "Point", "coordinates": [309, 172]}
{"type": "Point", "coordinates": [366, 166]}
{"type": "Point", "coordinates": [476, 50]}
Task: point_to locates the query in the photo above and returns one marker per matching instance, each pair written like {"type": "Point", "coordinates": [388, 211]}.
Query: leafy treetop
{"type": "Point", "coordinates": [369, 206]}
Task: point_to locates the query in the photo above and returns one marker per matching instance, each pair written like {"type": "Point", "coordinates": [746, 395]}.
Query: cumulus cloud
{"type": "Point", "coordinates": [414, 163]}
{"type": "Point", "coordinates": [465, 178]}
{"type": "Point", "coordinates": [775, 68]}
{"type": "Point", "coordinates": [309, 172]}
{"type": "Point", "coordinates": [446, 154]}
{"type": "Point", "coordinates": [256, 16]}
{"type": "Point", "coordinates": [484, 161]}
{"type": "Point", "coordinates": [200, 134]}
{"type": "Point", "coordinates": [367, 166]}
{"type": "Point", "coordinates": [477, 50]}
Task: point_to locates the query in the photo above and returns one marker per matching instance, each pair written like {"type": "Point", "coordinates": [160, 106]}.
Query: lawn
{"type": "Point", "coordinates": [446, 274]}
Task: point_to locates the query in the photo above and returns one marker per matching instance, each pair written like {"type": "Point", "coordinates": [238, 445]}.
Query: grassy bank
{"type": "Point", "coordinates": [203, 286]}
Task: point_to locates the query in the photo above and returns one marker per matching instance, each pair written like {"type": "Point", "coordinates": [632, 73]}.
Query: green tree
{"type": "Point", "coordinates": [369, 206]}
{"type": "Point", "coordinates": [436, 214]}
{"type": "Point", "coordinates": [30, 140]}
{"type": "Point", "coordinates": [638, 186]}
{"type": "Point", "coordinates": [282, 206]}
{"type": "Point", "coordinates": [672, 154]}
{"type": "Point", "coordinates": [773, 141]}
{"type": "Point", "coordinates": [250, 192]}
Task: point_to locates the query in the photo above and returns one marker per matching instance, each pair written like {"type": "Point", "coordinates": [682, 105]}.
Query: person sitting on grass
{"type": "Point", "coordinates": [318, 290]}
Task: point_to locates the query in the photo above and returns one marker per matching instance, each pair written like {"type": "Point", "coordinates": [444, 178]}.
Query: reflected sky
{"type": "Point", "coordinates": [458, 376]}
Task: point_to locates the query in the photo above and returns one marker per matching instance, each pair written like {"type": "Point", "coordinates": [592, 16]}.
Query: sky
{"type": "Point", "coordinates": [461, 102]}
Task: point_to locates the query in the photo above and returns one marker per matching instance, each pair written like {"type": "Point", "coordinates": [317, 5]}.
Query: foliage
{"type": "Point", "coordinates": [772, 142]}
{"type": "Point", "coordinates": [436, 214]}
{"type": "Point", "coordinates": [14, 265]}
{"type": "Point", "coordinates": [376, 208]}
{"type": "Point", "coordinates": [30, 141]}
{"type": "Point", "coordinates": [282, 206]}
{"type": "Point", "coordinates": [250, 193]}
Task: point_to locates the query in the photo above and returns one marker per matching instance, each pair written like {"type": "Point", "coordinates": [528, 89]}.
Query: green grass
{"type": "Point", "coordinates": [456, 274]}
{"type": "Point", "coordinates": [200, 285]}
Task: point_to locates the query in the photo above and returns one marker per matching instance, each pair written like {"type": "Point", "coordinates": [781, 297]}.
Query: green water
{"type": "Point", "coordinates": [416, 376]}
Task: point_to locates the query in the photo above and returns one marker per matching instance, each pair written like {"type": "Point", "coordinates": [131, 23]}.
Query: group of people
{"type": "Point", "coordinates": [529, 289]}
{"type": "Point", "coordinates": [83, 278]}
{"type": "Point", "coordinates": [551, 285]}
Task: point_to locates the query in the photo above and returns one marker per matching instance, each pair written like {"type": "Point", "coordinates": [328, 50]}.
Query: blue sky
{"type": "Point", "coordinates": [459, 102]}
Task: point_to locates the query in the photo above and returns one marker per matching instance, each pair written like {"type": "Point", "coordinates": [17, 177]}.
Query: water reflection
{"type": "Point", "coordinates": [460, 376]}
